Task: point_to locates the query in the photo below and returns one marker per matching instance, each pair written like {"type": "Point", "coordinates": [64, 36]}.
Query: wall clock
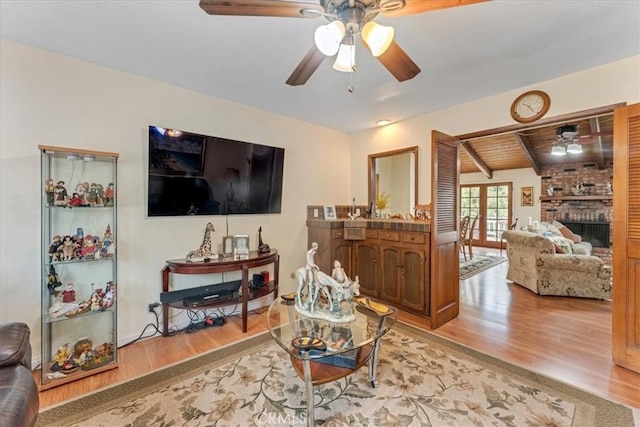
{"type": "Point", "coordinates": [530, 106]}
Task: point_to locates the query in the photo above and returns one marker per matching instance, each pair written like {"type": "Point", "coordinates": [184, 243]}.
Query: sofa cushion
{"type": "Point", "coordinates": [563, 245]}
{"type": "Point", "coordinates": [583, 248]}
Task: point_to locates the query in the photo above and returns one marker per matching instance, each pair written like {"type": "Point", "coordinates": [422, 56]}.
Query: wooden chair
{"type": "Point", "coordinates": [464, 227]}
{"type": "Point", "coordinates": [468, 239]}
{"type": "Point", "coordinates": [511, 227]}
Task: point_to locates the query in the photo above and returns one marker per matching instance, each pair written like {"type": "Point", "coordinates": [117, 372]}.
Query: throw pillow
{"type": "Point", "coordinates": [568, 234]}
{"type": "Point", "coordinates": [563, 245]}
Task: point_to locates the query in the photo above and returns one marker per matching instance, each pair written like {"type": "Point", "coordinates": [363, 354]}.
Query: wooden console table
{"type": "Point", "coordinates": [222, 265]}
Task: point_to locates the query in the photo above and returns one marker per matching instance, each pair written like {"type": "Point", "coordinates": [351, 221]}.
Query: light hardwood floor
{"type": "Point", "coordinates": [568, 339]}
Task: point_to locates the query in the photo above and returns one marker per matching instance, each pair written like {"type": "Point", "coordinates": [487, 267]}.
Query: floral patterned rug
{"type": "Point", "coordinates": [478, 264]}
{"type": "Point", "coordinates": [424, 381]}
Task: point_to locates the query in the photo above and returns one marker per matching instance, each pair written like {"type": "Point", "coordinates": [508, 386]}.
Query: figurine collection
{"type": "Point", "coordinates": [66, 305]}
{"type": "Point", "coordinates": [85, 194]}
{"type": "Point", "coordinates": [80, 247]}
{"type": "Point", "coordinates": [83, 356]}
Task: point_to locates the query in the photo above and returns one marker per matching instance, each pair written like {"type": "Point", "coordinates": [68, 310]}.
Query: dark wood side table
{"type": "Point", "coordinates": [221, 265]}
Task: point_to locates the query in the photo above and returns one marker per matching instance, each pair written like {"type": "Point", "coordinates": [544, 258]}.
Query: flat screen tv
{"type": "Point", "coordinates": [192, 174]}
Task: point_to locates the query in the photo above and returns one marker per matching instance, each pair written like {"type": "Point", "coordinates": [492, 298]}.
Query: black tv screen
{"type": "Point", "coordinates": [192, 174]}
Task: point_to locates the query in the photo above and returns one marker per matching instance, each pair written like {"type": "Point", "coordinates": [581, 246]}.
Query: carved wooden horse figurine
{"type": "Point", "coordinates": [204, 251]}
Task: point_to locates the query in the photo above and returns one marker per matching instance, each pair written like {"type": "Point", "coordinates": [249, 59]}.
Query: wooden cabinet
{"type": "Point", "coordinates": [366, 267]}
{"type": "Point", "coordinates": [392, 265]}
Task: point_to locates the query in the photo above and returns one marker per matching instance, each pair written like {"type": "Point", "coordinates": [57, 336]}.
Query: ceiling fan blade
{"type": "Point", "coordinates": [594, 135]}
{"type": "Point", "coordinates": [419, 6]}
{"type": "Point", "coordinates": [398, 62]}
{"type": "Point", "coordinates": [306, 67]}
{"type": "Point", "coordinates": [286, 9]}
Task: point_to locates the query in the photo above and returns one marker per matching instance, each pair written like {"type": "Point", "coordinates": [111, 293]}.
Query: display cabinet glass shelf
{"type": "Point", "coordinates": [79, 264]}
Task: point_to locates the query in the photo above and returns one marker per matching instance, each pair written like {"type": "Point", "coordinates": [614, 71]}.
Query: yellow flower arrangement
{"type": "Point", "coordinates": [382, 201]}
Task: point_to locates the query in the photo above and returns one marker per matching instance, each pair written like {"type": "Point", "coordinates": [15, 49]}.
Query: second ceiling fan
{"type": "Point", "coordinates": [349, 21]}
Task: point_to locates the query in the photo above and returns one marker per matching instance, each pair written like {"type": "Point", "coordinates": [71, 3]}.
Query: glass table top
{"type": "Point", "coordinates": [285, 324]}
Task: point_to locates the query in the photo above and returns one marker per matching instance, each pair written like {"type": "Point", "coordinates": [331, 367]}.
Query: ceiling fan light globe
{"type": "Point", "coordinates": [378, 37]}
{"type": "Point", "coordinates": [574, 148]}
{"type": "Point", "coordinates": [558, 150]}
{"type": "Point", "coordinates": [346, 59]}
{"type": "Point", "coordinates": [328, 37]}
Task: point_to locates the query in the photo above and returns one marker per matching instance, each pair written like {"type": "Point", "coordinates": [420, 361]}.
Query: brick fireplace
{"type": "Point", "coordinates": [581, 200]}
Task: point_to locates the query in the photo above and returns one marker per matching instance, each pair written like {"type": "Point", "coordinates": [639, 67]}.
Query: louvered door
{"type": "Point", "coordinates": [626, 237]}
{"type": "Point", "coordinates": [445, 284]}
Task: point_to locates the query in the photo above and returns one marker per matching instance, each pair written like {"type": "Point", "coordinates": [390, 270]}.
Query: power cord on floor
{"type": "Point", "coordinates": [156, 328]}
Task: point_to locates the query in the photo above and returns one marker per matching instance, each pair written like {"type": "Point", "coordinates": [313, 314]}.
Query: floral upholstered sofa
{"type": "Point", "coordinates": [535, 264]}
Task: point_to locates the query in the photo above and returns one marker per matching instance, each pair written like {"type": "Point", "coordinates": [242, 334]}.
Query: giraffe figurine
{"type": "Point", "coordinates": [204, 252]}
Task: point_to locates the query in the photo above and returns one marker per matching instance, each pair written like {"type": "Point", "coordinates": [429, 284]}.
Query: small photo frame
{"type": "Point", "coordinates": [241, 243]}
{"type": "Point", "coordinates": [526, 196]}
{"type": "Point", "coordinates": [228, 244]}
{"type": "Point", "coordinates": [330, 212]}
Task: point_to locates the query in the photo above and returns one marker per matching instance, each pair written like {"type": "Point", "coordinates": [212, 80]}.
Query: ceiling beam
{"type": "Point", "coordinates": [476, 159]}
{"type": "Point", "coordinates": [525, 145]}
{"type": "Point", "coordinates": [597, 145]}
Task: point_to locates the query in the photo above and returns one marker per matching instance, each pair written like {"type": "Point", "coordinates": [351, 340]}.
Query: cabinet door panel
{"type": "Point", "coordinates": [390, 273]}
{"type": "Point", "coordinates": [413, 280]}
{"type": "Point", "coordinates": [342, 252]}
{"type": "Point", "coordinates": [366, 261]}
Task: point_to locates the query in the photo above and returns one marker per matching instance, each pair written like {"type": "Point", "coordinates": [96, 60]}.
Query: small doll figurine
{"type": "Point", "coordinates": [110, 295]}
{"type": "Point", "coordinates": [95, 301]}
{"type": "Point", "coordinates": [53, 281]}
{"type": "Point", "coordinates": [88, 247]}
{"type": "Point", "coordinates": [54, 248]}
{"type": "Point", "coordinates": [60, 194]}
{"type": "Point", "coordinates": [68, 248]}
{"type": "Point", "coordinates": [68, 295]}
{"type": "Point", "coordinates": [109, 194]}
{"type": "Point", "coordinates": [49, 190]}
{"type": "Point", "coordinates": [75, 200]}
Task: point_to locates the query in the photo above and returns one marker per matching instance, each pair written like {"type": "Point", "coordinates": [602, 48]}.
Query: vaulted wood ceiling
{"type": "Point", "coordinates": [519, 147]}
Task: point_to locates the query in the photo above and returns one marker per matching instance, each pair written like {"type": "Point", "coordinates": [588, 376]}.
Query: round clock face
{"type": "Point", "coordinates": [530, 106]}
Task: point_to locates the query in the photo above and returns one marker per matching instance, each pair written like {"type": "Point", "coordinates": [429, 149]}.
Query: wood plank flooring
{"type": "Point", "coordinates": [568, 339]}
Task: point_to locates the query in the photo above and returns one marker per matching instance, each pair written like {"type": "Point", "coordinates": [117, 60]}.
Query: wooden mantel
{"type": "Point", "coordinates": [585, 197]}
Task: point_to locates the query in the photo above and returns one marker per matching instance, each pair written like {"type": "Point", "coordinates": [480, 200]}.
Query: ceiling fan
{"type": "Point", "coordinates": [349, 20]}
{"type": "Point", "coordinates": [567, 140]}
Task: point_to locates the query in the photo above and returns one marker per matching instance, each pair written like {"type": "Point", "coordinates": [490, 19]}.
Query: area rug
{"type": "Point", "coordinates": [478, 264]}
{"type": "Point", "coordinates": [424, 380]}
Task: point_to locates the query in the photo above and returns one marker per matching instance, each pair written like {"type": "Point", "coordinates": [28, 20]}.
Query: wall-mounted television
{"type": "Point", "coordinates": [193, 174]}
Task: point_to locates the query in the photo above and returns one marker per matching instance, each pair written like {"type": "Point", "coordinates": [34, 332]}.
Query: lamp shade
{"type": "Point", "coordinates": [232, 175]}
{"type": "Point", "coordinates": [378, 37]}
{"type": "Point", "coordinates": [558, 150]}
{"type": "Point", "coordinates": [346, 59]}
{"type": "Point", "coordinates": [328, 37]}
{"type": "Point", "coordinates": [574, 148]}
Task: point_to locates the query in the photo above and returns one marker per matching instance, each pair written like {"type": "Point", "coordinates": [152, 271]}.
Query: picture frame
{"type": "Point", "coordinates": [526, 196]}
{"type": "Point", "coordinates": [228, 245]}
{"type": "Point", "coordinates": [241, 244]}
{"type": "Point", "coordinates": [330, 212]}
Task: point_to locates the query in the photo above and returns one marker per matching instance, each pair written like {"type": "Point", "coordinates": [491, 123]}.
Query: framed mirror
{"type": "Point", "coordinates": [394, 175]}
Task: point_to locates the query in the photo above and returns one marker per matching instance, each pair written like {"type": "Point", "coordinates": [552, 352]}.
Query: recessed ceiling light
{"type": "Point", "coordinates": [383, 122]}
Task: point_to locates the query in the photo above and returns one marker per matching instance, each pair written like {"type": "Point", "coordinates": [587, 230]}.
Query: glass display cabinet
{"type": "Point", "coordinates": [79, 264]}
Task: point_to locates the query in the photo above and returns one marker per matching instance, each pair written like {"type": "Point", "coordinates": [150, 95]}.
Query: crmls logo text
{"type": "Point", "coordinates": [281, 419]}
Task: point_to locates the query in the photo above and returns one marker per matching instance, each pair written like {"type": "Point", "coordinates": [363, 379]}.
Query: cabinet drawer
{"type": "Point", "coordinates": [337, 233]}
{"type": "Point", "coordinates": [372, 234]}
{"type": "Point", "coordinates": [418, 238]}
{"type": "Point", "coordinates": [354, 233]}
{"type": "Point", "coordinates": [390, 235]}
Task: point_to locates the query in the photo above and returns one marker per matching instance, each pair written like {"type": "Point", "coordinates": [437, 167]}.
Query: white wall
{"type": "Point", "coordinates": [605, 85]}
{"type": "Point", "coordinates": [55, 100]}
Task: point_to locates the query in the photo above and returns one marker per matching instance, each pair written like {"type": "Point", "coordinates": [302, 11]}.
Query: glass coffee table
{"type": "Point", "coordinates": [322, 351]}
